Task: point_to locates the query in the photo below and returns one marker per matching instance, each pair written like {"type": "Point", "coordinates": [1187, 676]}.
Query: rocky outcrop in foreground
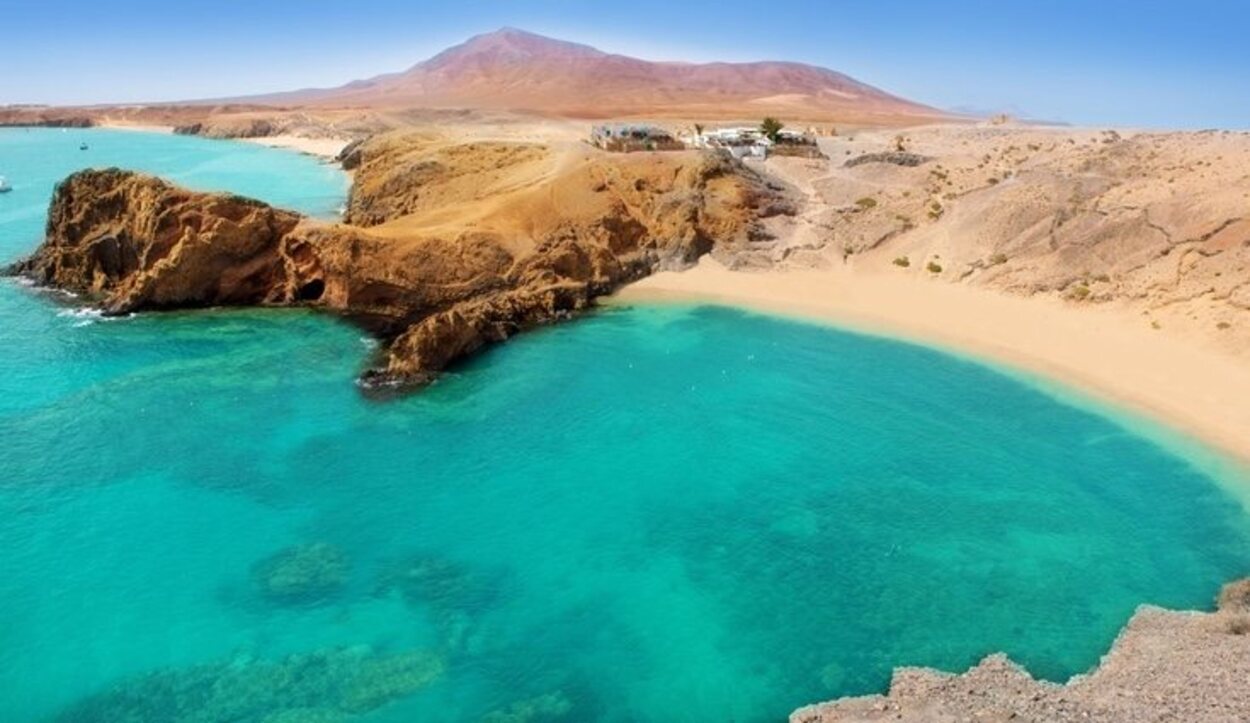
{"type": "Point", "coordinates": [1165, 666]}
{"type": "Point", "coordinates": [536, 250]}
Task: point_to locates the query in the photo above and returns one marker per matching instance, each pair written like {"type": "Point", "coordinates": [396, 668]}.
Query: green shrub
{"type": "Point", "coordinates": [997, 259]}
{"type": "Point", "coordinates": [866, 203]}
{"type": "Point", "coordinates": [902, 261]}
{"type": "Point", "coordinates": [1223, 325]}
{"type": "Point", "coordinates": [934, 267]}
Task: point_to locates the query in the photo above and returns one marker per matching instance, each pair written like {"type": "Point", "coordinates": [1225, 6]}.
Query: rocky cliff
{"type": "Point", "coordinates": [1165, 666]}
{"type": "Point", "coordinates": [467, 244]}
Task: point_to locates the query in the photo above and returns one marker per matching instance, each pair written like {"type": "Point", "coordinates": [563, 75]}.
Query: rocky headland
{"type": "Point", "coordinates": [1165, 666]}
{"type": "Point", "coordinates": [448, 246]}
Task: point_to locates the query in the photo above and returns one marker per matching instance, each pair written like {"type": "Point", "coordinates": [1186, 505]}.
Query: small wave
{"type": "Point", "coordinates": [369, 342]}
{"type": "Point", "coordinates": [86, 312]}
{"type": "Point", "coordinates": [88, 315]}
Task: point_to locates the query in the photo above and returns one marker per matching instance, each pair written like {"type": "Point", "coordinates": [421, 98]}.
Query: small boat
{"type": "Point", "coordinates": [4, 185]}
{"type": "Point", "coordinates": [83, 147]}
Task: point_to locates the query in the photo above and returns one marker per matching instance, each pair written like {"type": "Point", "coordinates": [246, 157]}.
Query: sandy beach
{"type": "Point", "coordinates": [324, 147]}
{"type": "Point", "coordinates": [327, 147]}
{"type": "Point", "coordinates": [138, 127]}
{"type": "Point", "coordinates": [1112, 354]}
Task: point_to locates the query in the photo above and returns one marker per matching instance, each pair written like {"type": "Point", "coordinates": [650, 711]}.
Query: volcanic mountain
{"type": "Point", "coordinates": [520, 71]}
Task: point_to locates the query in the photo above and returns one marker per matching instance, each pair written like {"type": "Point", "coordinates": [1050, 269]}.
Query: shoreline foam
{"type": "Point", "coordinates": [1107, 352]}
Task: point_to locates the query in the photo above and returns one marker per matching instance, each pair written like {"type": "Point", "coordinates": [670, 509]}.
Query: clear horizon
{"type": "Point", "coordinates": [1151, 64]}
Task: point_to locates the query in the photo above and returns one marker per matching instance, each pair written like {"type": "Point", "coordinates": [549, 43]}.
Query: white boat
{"type": "Point", "coordinates": [4, 185]}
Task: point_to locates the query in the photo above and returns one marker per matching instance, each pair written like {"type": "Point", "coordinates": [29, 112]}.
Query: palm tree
{"type": "Point", "coordinates": [771, 128]}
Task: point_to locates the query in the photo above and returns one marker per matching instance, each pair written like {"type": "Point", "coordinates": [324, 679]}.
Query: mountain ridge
{"type": "Point", "coordinates": [516, 70]}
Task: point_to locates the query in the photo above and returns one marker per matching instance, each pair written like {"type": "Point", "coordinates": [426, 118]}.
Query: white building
{"type": "Point", "coordinates": [743, 142]}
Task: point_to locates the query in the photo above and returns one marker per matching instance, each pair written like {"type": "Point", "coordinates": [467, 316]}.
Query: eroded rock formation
{"type": "Point", "coordinates": [467, 243]}
{"type": "Point", "coordinates": [302, 574]}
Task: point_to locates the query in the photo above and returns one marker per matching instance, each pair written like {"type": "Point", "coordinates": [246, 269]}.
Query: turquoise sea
{"type": "Point", "coordinates": [651, 514]}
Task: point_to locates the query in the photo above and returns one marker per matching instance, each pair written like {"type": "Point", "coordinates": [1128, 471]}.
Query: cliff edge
{"type": "Point", "coordinates": [456, 245]}
{"type": "Point", "coordinates": [1165, 666]}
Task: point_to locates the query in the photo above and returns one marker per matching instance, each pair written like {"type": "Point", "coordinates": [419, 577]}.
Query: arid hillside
{"type": "Point", "coordinates": [514, 70]}
{"type": "Point", "coordinates": [1157, 222]}
{"type": "Point", "coordinates": [511, 72]}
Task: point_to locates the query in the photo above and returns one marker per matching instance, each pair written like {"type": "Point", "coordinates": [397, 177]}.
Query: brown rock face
{"type": "Point", "coordinates": [455, 259]}
{"type": "Point", "coordinates": [135, 242]}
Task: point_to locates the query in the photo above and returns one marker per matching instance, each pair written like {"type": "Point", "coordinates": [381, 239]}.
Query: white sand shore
{"type": "Point", "coordinates": [123, 126]}
{"type": "Point", "coordinates": [324, 147]}
{"type": "Point", "coordinates": [1111, 353]}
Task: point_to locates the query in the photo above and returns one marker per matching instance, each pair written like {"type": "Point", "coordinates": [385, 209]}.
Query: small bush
{"type": "Point", "coordinates": [1223, 325]}
{"type": "Point", "coordinates": [1079, 292]}
{"type": "Point", "coordinates": [997, 259]}
{"type": "Point", "coordinates": [1102, 278]}
{"type": "Point", "coordinates": [934, 267]}
{"type": "Point", "coordinates": [1239, 625]}
{"type": "Point", "coordinates": [902, 261]}
{"type": "Point", "coordinates": [866, 203]}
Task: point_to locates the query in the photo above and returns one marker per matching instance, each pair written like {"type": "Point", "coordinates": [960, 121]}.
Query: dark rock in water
{"type": "Point", "coordinates": [302, 574]}
{"type": "Point", "coordinates": [454, 596]}
{"type": "Point", "coordinates": [897, 158]}
{"type": "Point", "coordinates": [438, 583]}
{"type": "Point", "coordinates": [190, 129]}
{"type": "Point", "coordinates": [350, 157]}
{"type": "Point", "coordinates": [326, 686]}
{"type": "Point", "coordinates": [550, 707]}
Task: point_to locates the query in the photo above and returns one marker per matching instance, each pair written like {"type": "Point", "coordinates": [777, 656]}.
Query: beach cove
{"type": "Point", "coordinates": [653, 513]}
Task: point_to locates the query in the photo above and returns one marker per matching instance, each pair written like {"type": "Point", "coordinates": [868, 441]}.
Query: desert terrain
{"type": "Point", "coordinates": [1116, 259]}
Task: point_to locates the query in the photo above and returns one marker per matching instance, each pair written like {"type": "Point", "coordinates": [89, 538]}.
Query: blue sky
{"type": "Point", "coordinates": [1092, 62]}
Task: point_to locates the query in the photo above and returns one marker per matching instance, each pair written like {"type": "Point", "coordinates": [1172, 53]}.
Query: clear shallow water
{"type": "Point", "coordinates": [651, 514]}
